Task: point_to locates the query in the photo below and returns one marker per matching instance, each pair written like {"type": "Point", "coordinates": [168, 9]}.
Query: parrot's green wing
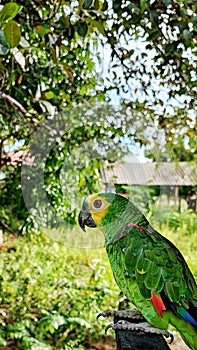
{"type": "Point", "coordinates": [160, 268]}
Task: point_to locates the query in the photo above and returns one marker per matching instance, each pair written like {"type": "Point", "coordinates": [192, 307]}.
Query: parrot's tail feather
{"type": "Point", "coordinates": [187, 317]}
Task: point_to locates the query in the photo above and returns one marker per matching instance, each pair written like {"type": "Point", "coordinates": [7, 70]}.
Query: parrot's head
{"type": "Point", "coordinates": [101, 209]}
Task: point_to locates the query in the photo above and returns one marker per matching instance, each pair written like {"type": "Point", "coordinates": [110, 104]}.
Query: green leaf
{"type": "Point", "coordinates": [49, 95]}
{"type": "Point", "coordinates": [155, 14]}
{"type": "Point", "coordinates": [97, 25]}
{"type": "Point", "coordinates": [81, 28]}
{"type": "Point", "coordinates": [135, 18]}
{"type": "Point", "coordinates": [41, 31]}
{"type": "Point", "coordinates": [116, 5]}
{"type": "Point", "coordinates": [9, 11]}
{"type": "Point", "coordinates": [96, 5]}
{"type": "Point", "coordinates": [12, 33]}
{"type": "Point", "coordinates": [87, 4]}
{"type": "Point", "coordinates": [4, 48]}
{"type": "Point", "coordinates": [170, 48]}
{"type": "Point", "coordinates": [153, 35]}
{"type": "Point", "coordinates": [186, 34]}
{"type": "Point", "coordinates": [143, 5]}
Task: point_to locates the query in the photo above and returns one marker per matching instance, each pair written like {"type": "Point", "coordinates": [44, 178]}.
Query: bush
{"type": "Point", "coordinates": [184, 221]}
{"type": "Point", "coordinates": [51, 294]}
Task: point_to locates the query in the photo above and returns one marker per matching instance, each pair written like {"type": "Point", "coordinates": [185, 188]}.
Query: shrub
{"type": "Point", "coordinates": [51, 294]}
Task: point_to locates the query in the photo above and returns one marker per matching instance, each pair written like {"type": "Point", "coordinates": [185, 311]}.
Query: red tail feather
{"type": "Point", "coordinates": [158, 304]}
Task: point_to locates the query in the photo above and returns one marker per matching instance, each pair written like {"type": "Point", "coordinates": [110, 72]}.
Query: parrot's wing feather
{"type": "Point", "coordinates": [159, 268]}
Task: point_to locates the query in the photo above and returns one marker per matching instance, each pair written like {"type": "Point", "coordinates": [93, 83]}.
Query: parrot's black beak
{"type": "Point", "coordinates": [85, 219]}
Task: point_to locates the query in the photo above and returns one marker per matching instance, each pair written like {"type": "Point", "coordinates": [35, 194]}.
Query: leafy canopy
{"type": "Point", "coordinates": [53, 88]}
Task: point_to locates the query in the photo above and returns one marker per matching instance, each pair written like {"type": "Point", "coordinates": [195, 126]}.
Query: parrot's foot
{"type": "Point", "coordinates": [136, 329]}
{"type": "Point", "coordinates": [142, 327]}
{"type": "Point", "coordinates": [125, 315]}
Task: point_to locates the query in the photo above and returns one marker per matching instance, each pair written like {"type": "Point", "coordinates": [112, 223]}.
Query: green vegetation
{"type": "Point", "coordinates": [57, 93]}
{"type": "Point", "coordinates": [185, 221]}
{"type": "Point", "coordinates": [51, 294]}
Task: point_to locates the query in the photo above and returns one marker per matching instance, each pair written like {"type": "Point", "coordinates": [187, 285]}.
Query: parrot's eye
{"type": "Point", "coordinates": [97, 204]}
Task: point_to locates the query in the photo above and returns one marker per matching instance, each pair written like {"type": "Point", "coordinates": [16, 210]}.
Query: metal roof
{"type": "Point", "coordinates": [150, 174]}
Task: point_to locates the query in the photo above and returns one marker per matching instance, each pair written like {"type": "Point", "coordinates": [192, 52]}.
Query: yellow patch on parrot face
{"type": "Point", "coordinates": [98, 207]}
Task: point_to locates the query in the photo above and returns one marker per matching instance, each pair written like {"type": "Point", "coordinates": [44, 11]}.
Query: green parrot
{"type": "Point", "coordinates": [147, 267]}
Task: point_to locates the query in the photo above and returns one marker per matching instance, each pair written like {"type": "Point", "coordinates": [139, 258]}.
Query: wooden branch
{"type": "Point", "coordinates": [14, 102]}
{"type": "Point", "coordinates": [135, 340]}
{"type": "Point", "coordinates": [133, 332]}
{"type": "Point", "coordinates": [17, 104]}
{"type": "Point", "coordinates": [7, 228]}
{"type": "Point", "coordinates": [1, 152]}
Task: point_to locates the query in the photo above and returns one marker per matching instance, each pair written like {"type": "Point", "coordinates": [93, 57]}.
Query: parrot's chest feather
{"type": "Point", "coordinates": [116, 254]}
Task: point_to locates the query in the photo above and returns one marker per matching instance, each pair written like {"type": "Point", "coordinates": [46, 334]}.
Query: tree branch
{"type": "Point", "coordinates": [17, 104]}
{"type": "Point", "coordinates": [7, 228]}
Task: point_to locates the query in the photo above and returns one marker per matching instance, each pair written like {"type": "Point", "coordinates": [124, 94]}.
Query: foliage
{"type": "Point", "coordinates": [51, 294]}
{"type": "Point", "coordinates": [163, 61]}
{"type": "Point", "coordinates": [185, 221]}
{"type": "Point", "coordinates": [52, 94]}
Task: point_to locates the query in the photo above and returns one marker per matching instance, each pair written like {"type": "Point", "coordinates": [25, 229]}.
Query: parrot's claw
{"type": "Point", "coordinates": [108, 327]}
{"type": "Point", "coordinates": [127, 315]}
{"type": "Point", "coordinates": [143, 327]}
{"type": "Point", "coordinates": [106, 314]}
